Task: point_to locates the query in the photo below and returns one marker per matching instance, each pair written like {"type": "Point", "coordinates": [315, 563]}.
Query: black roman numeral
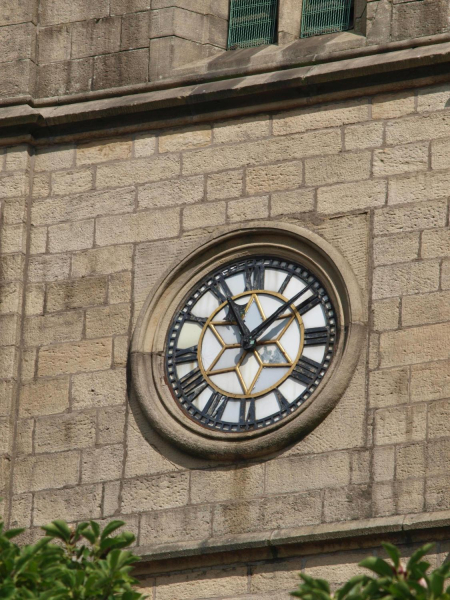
{"type": "Point", "coordinates": [282, 402]}
{"type": "Point", "coordinates": [251, 413]}
{"type": "Point", "coordinates": [200, 320]}
{"type": "Point", "coordinates": [285, 283]}
{"type": "Point", "coordinates": [217, 291]}
{"type": "Point", "coordinates": [254, 277]}
{"type": "Point", "coordinates": [215, 406]}
{"type": "Point", "coordinates": [308, 304]}
{"type": "Point", "coordinates": [306, 370]}
{"type": "Point", "coordinates": [193, 384]}
{"type": "Point", "coordinates": [185, 355]}
{"type": "Point", "coordinates": [316, 336]}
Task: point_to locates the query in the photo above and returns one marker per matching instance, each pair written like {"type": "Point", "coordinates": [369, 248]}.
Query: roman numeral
{"type": "Point", "coordinates": [285, 283]}
{"type": "Point", "coordinates": [308, 304]}
{"type": "Point", "coordinates": [217, 291]}
{"type": "Point", "coordinates": [193, 384]}
{"type": "Point", "coordinates": [185, 355]}
{"type": "Point", "coordinates": [251, 413]}
{"type": "Point", "coordinates": [200, 320]}
{"type": "Point", "coordinates": [254, 277]}
{"type": "Point", "coordinates": [282, 402]}
{"type": "Point", "coordinates": [316, 336]}
{"type": "Point", "coordinates": [215, 406]}
{"type": "Point", "coordinates": [306, 370]}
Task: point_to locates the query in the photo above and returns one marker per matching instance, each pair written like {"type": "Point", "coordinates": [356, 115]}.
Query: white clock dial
{"type": "Point", "coordinates": [250, 344]}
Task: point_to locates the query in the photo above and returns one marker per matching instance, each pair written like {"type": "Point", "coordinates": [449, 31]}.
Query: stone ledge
{"type": "Point", "coordinates": [278, 539]}
{"type": "Point", "coordinates": [299, 86]}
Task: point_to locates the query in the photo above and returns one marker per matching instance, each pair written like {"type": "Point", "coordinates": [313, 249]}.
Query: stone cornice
{"type": "Point", "coordinates": [353, 75]}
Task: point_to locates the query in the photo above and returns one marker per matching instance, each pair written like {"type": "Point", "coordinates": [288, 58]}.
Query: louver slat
{"type": "Point", "coordinates": [252, 23]}
{"type": "Point", "coordinates": [325, 16]}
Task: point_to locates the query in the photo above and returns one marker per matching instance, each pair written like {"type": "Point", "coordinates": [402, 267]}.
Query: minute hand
{"type": "Point", "coordinates": [255, 333]}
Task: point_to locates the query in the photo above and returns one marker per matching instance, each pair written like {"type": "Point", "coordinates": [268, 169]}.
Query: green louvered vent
{"type": "Point", "coordinates": [325, 16]}
{"type": "Point", "coordinates": [252, 23]}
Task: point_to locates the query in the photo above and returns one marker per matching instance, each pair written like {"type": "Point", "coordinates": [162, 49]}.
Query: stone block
{"type": "Point", "coordinates": [433, 98]}
{"type": "Point", "coordinates": [102, 464]}
{"type": "Point", "coordinates": [29, 358]}
{"type": "Point", "coordinates": [111, 498]}
{"type": "Point", "coordinates": [69, 431]}
{"type": "Point", "coordinates": [54, 43]}
{"type": "Point", "coordinates": [227, 484]}
{"type": "Point", "coordinates": [336, 169]}
{"type": "Point", "coordinates": [419, 187]}
{"type": "Point", "coordinates": [242, 130]}
{"type": "Point", "coordinates": [11, 266]}
{"type": "Point", "coordinates": [53, 158]}
{"type": "Point", "coordinates": [18, 78]}
{"type": "Point", "coordinates": [96, 36]}
{"type": "Point", "coordinates": [17, 158]}
{"type": "Point", "coordinates": [426, 308]}
{"type": "Point", "coordinates": [44, 330]}
{"type": "Point", "coordinates": [410, 461]}
{"type": "Point", "coordinates": [385, 314]}
{"type": "Point", "coordinates": [292, 147]}
{"type": "Point", "coordinates": [291, 202]}
{"type": "Point", "coordinates": [119, 289]}
{"type": "Point", "coordinates": [445, 275]}
{"type": "Point", "coordinates": [18, 11]}
{"type": "Point", "coordinates": [44, 397]}
{"type": "Point", "coordinates": [38, 240]}
{"type": "Point", "coordinates": [273, 578]}
{"type": "Point", "coordinates": [438, 413]}
{"type": "Point", "coordinates": [13, 239]}
{"type": "Point", "coordinates": [14, 211]}
{"type": "Point", "coordinates": [397, 425]}
{"type": "Point", "coordinates": [101, 261]}
{"type": "Point", "coordinates": [410, 20]}
{"type": "Point", "coordinates": [120, 351]}
{"type": "Point", "coordinates": [65, 77]}
{"type": "Point", "coordinates": [138, 171]}
{"type": "Point", "coordinates": [347, 504]}
{"type": "Point", "coordinates": [104, 151]}
{"type": "Point", "coordinates": [337, 567]}
{"type": "Point", "coordinates": [155, 493]}
{"type": "Point", "coordinates": [417, 128]}
{"type": "Point", "coordinates": [410, 495]}
{"type": "Point", "coordinates": [120, 69]}
{"type": "Point", "coordinates": [138, 227]}
{"type": "Point", "coordinates": [90, 355]}
{"type": "Point", "coordinates": [360, 467]}
{"type": "Point", "coordinates": [72, 504]}
{"type": "Point", "coordinates": [76, 293]}
{"type": "Point", "coordinates": [70, 182]}
{"type": "Point", "coordinates": [351, 196]}
{"type": "Point", "coordinates": [415, 345]}
{"type": "Point", "coordinates": [181, 524]}
{"type": "Point", "coordinates": [391, 106]}
{"type": "Point", "coordinates": [24, 437]}
{"type": "Point", "coordinates": [107, 321]}
{"type": "Point", "coordinates": [8, 361]}
{"type": "Point", "coordinates": [365, 135]}
{"type": "Point", "coordinates": [439, 154]}
{"type": "Point", "coordinates": [7, 391]}
{"type": "Point", "coordinates": [103, 388]}
{"type": "Point", "coordinates": [21, 509]}
{"type": "Point", "coordinates": [13, 185]}
{"type": "Point", "coordinates": [171, 193]}
{"type": "Point", "coordinates": [202, 584]}
{"type": "Point", "coordinates": [119, 7]}
{"type": "Point", "coordinates": [17, 42]}
{"type": "Point", "coordinates": [34, 473]}
{"type": "Point", "coordinates": [400, 159]}
{"type": "Point", "coordinates": [389, 387]}
{"type": "Point", "coordinates": [204, 215]}
{"type": "Point", "coordinates": [396, 248]}
{"type": "Point", "coordinates": [10, 298]}
{"type": "Point", "coordinates": [383, 499]}
{"type": "Point", "coordinates": [10, 332]}
{"type": "Point", "coordinates": [437, 493]}
{"type": "Point", "coordinates": [308, 473]}
{"type": "Point", "coordinates": [430, 381]}
{"type": "Point", "coordinates": [383, 463]}
{"type": "Point", "coordinates": [436, 243]}
{"type": "Point", "coordinates": [5, 442]}
{"type": "Point", "coordinates": [405, 278]}
{"type": "Point", "coordinates": [111, 425]}
{"type": "Point", "coordinates": [227, 184]}
{"type": "Point", "coordinates": [246, 209]}
{"type": "Point", "coordinates": [328, 115]}
{"type": "Point", "coordinates": [53, 12]}
{"type": "Point", "coordinates": [41, 185]}
{"type": "Point", "coordinates": [185, 139]}
{"type": "Point", "coordinates": [67, 237]}
{"type": "Point", "coordinates": [274, 177]}
{"type": "Point", "coordinates": [410, 218]}
{"type": "Point", "coordinates": [83, 206]}
{"type": "Point", "coordinates": [144, 145]}
{"type": "Point", "coordinates": [135, 31]}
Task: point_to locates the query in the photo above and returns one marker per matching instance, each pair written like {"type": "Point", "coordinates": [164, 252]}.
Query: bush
{"type": "Point", "coordinates": [85, 563]}
{"type": "Point", "coordinates": [392, 581]}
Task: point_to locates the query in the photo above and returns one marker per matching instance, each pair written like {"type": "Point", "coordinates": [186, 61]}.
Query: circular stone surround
{"type": "Point", "coordinates": [148, 349]}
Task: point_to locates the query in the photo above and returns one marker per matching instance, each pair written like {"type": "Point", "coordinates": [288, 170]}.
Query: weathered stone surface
{"type": "Point", "coordinates": [426, 308]}
{"type": "Point", "coordinates": [103, 388]}
{"type": "Point", "coordinates": [438, 414]}
{"type": "Point", "coordinates": [400, 159]}
{"type": "Point", "coordinates": [72, 182]}
{"type": "Point", "coordinates": [351, 196]}
{"type": "Point", "coordinates": [366, 135]}
{"type": "Point", "coordinates": [396, 248]}
{"type": "Point", "coordinates": [419, 187]}
{"type": "Point", "coordinates": [107, 321]}
{"type": "Point", "coordinates": [65, 432]}
{"type": "Point", "coordinates": [274, 177]}
{"type": "Point", "coordinates": [98, 152]}
{"type": "Point", "coordinates": [190, 523]}
{"type": "Point", "coordinates": [185, 139]}
{"type": "Point", "coordinates": [390, 106]}
{"type": "Point", "coordinates": [397, 425]}
{"type": "Point", "coordinates": [227, 184]}
{"type": "Point", "coordinates": [411, 461]}
{"type": "Point", "coordinates": [89, 355]}
{"type": "Point", "coordinates": [430, 381]}
{"type": "Point", "coordinates": [346, 504]}
{"type": "Point", "coordinates": [386, 314]}
{"type": "Point", "coordinates": [111, 425]}
{"type": "Point", "coordinates": [384, 463]}
{"type": "Point", "coordinates": [138, 227]}
{"type": "Point", "coordinates": [248, 209]}
{"type": "Point", "coordinates": [155, 493]}
{"type": "Point", "coordinates": [96, 36]}
{"type": "Point", "coordinates": [102, 464]}
{"type": "Point", "coordinates": [119, 289]}
{"type": "Point", "coordinates": [415, 345]}
{"type": "Point", "coordinates": [44, 397]}
{"type": "Point", "coordinates": [241, 130]}
{"type": "Point", "coordinates": [138, 171]}
{"type": "Point", "coordinates": [284, 203]}
{"type": "Point", "coordinates": [405, 278]}
{"type": "Point", "coordinates": [73, 504]}
{"type": "Point", "coordinates": [76, 293]}
{"type": "Point", "coordinates": [101, 261]}
{"type": "Point", "coordinates": [120, 68]}
{"type": "Point", "coordinates": [204, 215]}
{"type": "Point", "coordinates": [171, 193]}
{"type": "Point", "coordinates": [52, 158]}
{"type": "Point", "coordinates": [64, 327]}
{"type": "Point", "coordinates": [389, 387]}
{"type": "Point", "coordinates": [410, 218]}
{"type": "Point", "coordinates": [48, 268]}
{"type": "Point", "coordinates": [71, 236]}
{"type": "Point", "coordinates": [336, 169]}
{"type": "Point", "coordinates": [35, 473]}
{"type": "Point", "coordinates": [227, 484]}
{"type": "Point", "coordinates": [203, 584]}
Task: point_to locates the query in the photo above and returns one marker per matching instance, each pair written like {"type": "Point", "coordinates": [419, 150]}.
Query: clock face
{"type": "Point", "coordinates": [250, 344]}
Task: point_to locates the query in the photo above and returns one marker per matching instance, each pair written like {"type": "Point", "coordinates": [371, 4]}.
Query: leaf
{"type": "Point", "coordinates": [111, 527]}
{"type": "Point", "coordinates": [377, 565]}
{"type": "Point", "coordinates": [436, 584]}
{"type": "Point", "coordinates": [394, 553]}
{"type": "Point", "coordinates": [418, 554]}
{"type": "Point", "coordinates": [95, 528]}
{"type": "Point", "coordinates": [58, 529]}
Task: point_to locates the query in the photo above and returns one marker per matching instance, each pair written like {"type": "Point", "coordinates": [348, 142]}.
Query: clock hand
{"type": "Point", "coordinates": [234, 309]}
{"type": "Point", "coordinates": [262, 326]}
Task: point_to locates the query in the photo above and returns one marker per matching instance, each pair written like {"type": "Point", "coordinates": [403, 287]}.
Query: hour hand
{"type": "Point", "coordinates": [237, 315]}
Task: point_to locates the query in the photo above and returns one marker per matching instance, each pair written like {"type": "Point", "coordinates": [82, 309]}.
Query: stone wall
{"type": "Point", "coordinates": [54, 48]}
{"type": "Point", "coordinates": [103, 222]}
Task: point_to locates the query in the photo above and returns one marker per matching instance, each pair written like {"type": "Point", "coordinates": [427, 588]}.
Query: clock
{"type": "Point", "coordinates": [250, 344]}
{"type": "Point", "coordinates": [247, 342]}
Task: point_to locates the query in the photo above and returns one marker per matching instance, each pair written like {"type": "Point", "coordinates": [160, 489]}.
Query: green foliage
{"type": "Point", "coordinates": [391, 581]}
{"type": "Point", "coordinates": [85, 563]}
